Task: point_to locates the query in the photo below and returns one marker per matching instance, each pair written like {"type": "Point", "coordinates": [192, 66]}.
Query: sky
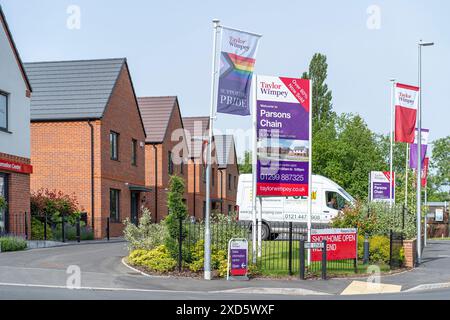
{"type": "Point", "coordinates": [168, 45]}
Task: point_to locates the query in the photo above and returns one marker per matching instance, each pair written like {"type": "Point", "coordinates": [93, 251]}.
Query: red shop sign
{"type": "Point", "coordinates": [342, 244]}
{"type": "Point", "coordinates": [15, 166]}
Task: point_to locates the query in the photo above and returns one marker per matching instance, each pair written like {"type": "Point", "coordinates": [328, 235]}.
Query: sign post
{"type": "Point", "coordinates": [237, 267]}
{"type": "Point", "coordinates": [382, 186]}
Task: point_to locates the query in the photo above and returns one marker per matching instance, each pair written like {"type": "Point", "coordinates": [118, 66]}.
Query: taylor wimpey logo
{"type": "Point", "coordinates": [406, 98]}
{"type": "Point", "coordinates": [239, 43]}
{"type": "Point", "coordinates": [272, 89]}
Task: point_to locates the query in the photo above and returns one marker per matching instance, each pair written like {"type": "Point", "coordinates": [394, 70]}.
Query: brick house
{"type": "Point", "coordinates": [196, 129]}
{"type": "Point", "coordinates": [228, 172]}
{"type": "Point", "coordinates": [88, 138]}
{"type": "Point", "coordinates": [15, 168]}
{"type": "Point", "coordinates": [165, 149]}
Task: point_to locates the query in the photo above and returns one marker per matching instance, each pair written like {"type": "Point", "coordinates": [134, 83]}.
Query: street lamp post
{"type": "Point", "coordinates": [419, 155]}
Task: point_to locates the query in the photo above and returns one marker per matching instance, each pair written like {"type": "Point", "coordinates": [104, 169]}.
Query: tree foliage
{"type": "Point", "coordinates": [246, 164]}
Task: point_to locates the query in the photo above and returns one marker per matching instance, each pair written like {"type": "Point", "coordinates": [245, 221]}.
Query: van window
{"type": "Point", "coordinates": [335, 200]}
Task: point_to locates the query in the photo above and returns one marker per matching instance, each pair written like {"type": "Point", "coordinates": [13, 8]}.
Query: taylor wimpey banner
{"type": "Point", "coordinates": [237, 61]}
{"type": "Point", "coordinates": [380, 184]}
{"type": "Point", "coordinates": [283, 137]}
{"type": "Point", "coordinates": [426, 164]}
{"type": "Point", "coordinates": [406, 102]}
{"type": "Point", "coordinates": [423, 150]}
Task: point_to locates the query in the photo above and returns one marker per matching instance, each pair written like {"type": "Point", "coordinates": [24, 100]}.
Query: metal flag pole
{"type": "Point", "coordinates": [207, 263]}
{"type": "Point", "coordinates": [391, 157]}
{"type": "Point", "coordinates": [254, 169]}
{"type": "Point", "coordinates": [310, 175]}
{"type": "Point", "coordinates": [406, 176]}
{"type": "Point", "coordinates": [419, 156]}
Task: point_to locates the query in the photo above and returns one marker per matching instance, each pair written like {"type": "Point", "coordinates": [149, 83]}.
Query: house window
{"type": "Point", "coordinates": [229, 181]}
{"type": "Point", "coordinates": [114, 205]}
{"type": "Point", "coordinates": [235, 182]}
{"type": "Point", "coordinates": [134, 152]}
{"type": "Point", "coordinates": [213, 174]}
{"type": "Point", "coordinates": [114, 145]}
{"type": "Point", "coordinates": [230, 209]}
{"type": "Point", "coordinates": [170, 159]}
{"type": "Point", "coordinates": [3, 111]}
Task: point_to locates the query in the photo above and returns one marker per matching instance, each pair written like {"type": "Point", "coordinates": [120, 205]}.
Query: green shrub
{"type": "Point", "coordinates": [3, 203]}
{"type": "Point", "coordinates": [379, 249]}
{"type": "Point", "coordinates": [219, 259]}
{"type": "Point", "coordinates": [12, 244]}
{"type": "Point", "coordinates": [158, 260]}
{"type": "Point", "coordinates": [37, 230]}
{"type": "Point", "coordinates": [145, 236]}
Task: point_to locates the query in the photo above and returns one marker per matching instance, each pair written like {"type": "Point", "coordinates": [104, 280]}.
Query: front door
{"type": "Point", "coordinates": [134, 207]}
{"type": "Point", "coordinates": [4, 195]}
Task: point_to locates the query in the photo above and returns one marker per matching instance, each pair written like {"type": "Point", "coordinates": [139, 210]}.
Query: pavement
{"type": "Point", "coordinates": [48, 273]}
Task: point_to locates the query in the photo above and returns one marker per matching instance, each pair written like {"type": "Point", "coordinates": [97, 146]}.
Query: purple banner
{"type": "Point", "coordinates": [237, 61]}
{"type": "Point", "coordinates": [413, 155]}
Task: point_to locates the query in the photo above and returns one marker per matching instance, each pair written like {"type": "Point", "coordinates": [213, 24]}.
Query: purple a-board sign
{"type": "Point", "coordinates": [237, 259]}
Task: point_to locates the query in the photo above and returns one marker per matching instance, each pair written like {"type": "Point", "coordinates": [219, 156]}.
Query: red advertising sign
{"type": "Point", "coordinates": [341, 244]}
{"type": "Point", "coordinates": [15, 166]}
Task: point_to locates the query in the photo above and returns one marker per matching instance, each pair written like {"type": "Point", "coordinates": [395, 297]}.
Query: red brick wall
{"type": "Point", "coordinates": [121, 116]}
{"type": "Point", "coordinates": [18, 197]}
{"type": "Point", "coordinates": [61, 157]}
{"type": "Point", "coordinates": [160, 191]}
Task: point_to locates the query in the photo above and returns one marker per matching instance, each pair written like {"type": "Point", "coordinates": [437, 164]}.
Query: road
{"type": "Point", "coordinates": [43, 274]}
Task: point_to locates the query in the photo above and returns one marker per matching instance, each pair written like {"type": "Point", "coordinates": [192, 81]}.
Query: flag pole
{"type": "Point", "coordinates": [310, 168]}
{"type": "Point", "coordinates": [406, 176]}
{"type": "Point", "coordinates": [391, 158]}
{"type": "Point", "coordinates": [207, 262]}
{"type": "Point", "coordinates": [254, 168]}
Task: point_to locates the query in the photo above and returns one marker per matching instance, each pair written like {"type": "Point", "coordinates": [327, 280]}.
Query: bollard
{"type": "Point", "coordinates": [324, 260]}
{"type": "Point", "coordinates": [302, 259]}
{"type": "Point", "coordinates": [366, 250]}
{"type": "Point", "coordinates": [78, 230]}
{"type": "Point", "coordinates": [107, 227]}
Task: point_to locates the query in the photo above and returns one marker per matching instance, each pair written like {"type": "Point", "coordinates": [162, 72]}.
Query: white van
{"type": "Point", "coordinates": [293, 209]}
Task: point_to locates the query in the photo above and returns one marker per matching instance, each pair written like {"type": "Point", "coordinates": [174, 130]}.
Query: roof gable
{"type": "Point", "coordinates": [225, 150]}
{"type": "Point", "coordinates": [72, 90]}
{"type": "Point", "coordinates": [156, 115]}
{"type": "Point", "coordinates": [5, 26]}
{"type": "Point", "coordinates": [196, 128]}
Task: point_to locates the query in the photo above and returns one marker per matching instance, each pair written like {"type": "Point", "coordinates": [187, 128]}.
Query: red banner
{"type": "Point", "coordinates": [406, 101]}
{"type": "Point", "coordinates": [15, 167]}
{"type": "Point", "coordinates": [342, 244]}
{"type": "Point", "coordinates": [426, 163]}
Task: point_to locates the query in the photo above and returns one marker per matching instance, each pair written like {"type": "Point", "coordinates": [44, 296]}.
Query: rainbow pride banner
{"type": "Point", "coordinates": [237, 62]}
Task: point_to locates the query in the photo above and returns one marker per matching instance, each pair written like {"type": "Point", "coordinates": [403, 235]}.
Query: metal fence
{"type": "Point", "coordinates": [16, 224]}
{"type": "Point", "coordinates": [69, 228]}
{"type": "Point", "coordinates": [280, 253]}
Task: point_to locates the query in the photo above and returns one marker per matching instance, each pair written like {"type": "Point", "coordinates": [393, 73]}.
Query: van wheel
{"type": "Point", "coordinates": [265, 232]}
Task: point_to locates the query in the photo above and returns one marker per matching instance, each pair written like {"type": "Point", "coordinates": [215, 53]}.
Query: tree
{"type": "Point", "coordinates": [439, 176]}
{"type": "Point", "coordinates": [322, 97]}
{"type": "Point", "coordinates": [246, 165]}
{"type": "Point", "coordinates": [441, 161]}
{"type": "Point", "coordinates": [177, 212]}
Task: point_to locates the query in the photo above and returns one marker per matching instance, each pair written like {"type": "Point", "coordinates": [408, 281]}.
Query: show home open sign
{"type": "Point", "coordinates": [342, 244]}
